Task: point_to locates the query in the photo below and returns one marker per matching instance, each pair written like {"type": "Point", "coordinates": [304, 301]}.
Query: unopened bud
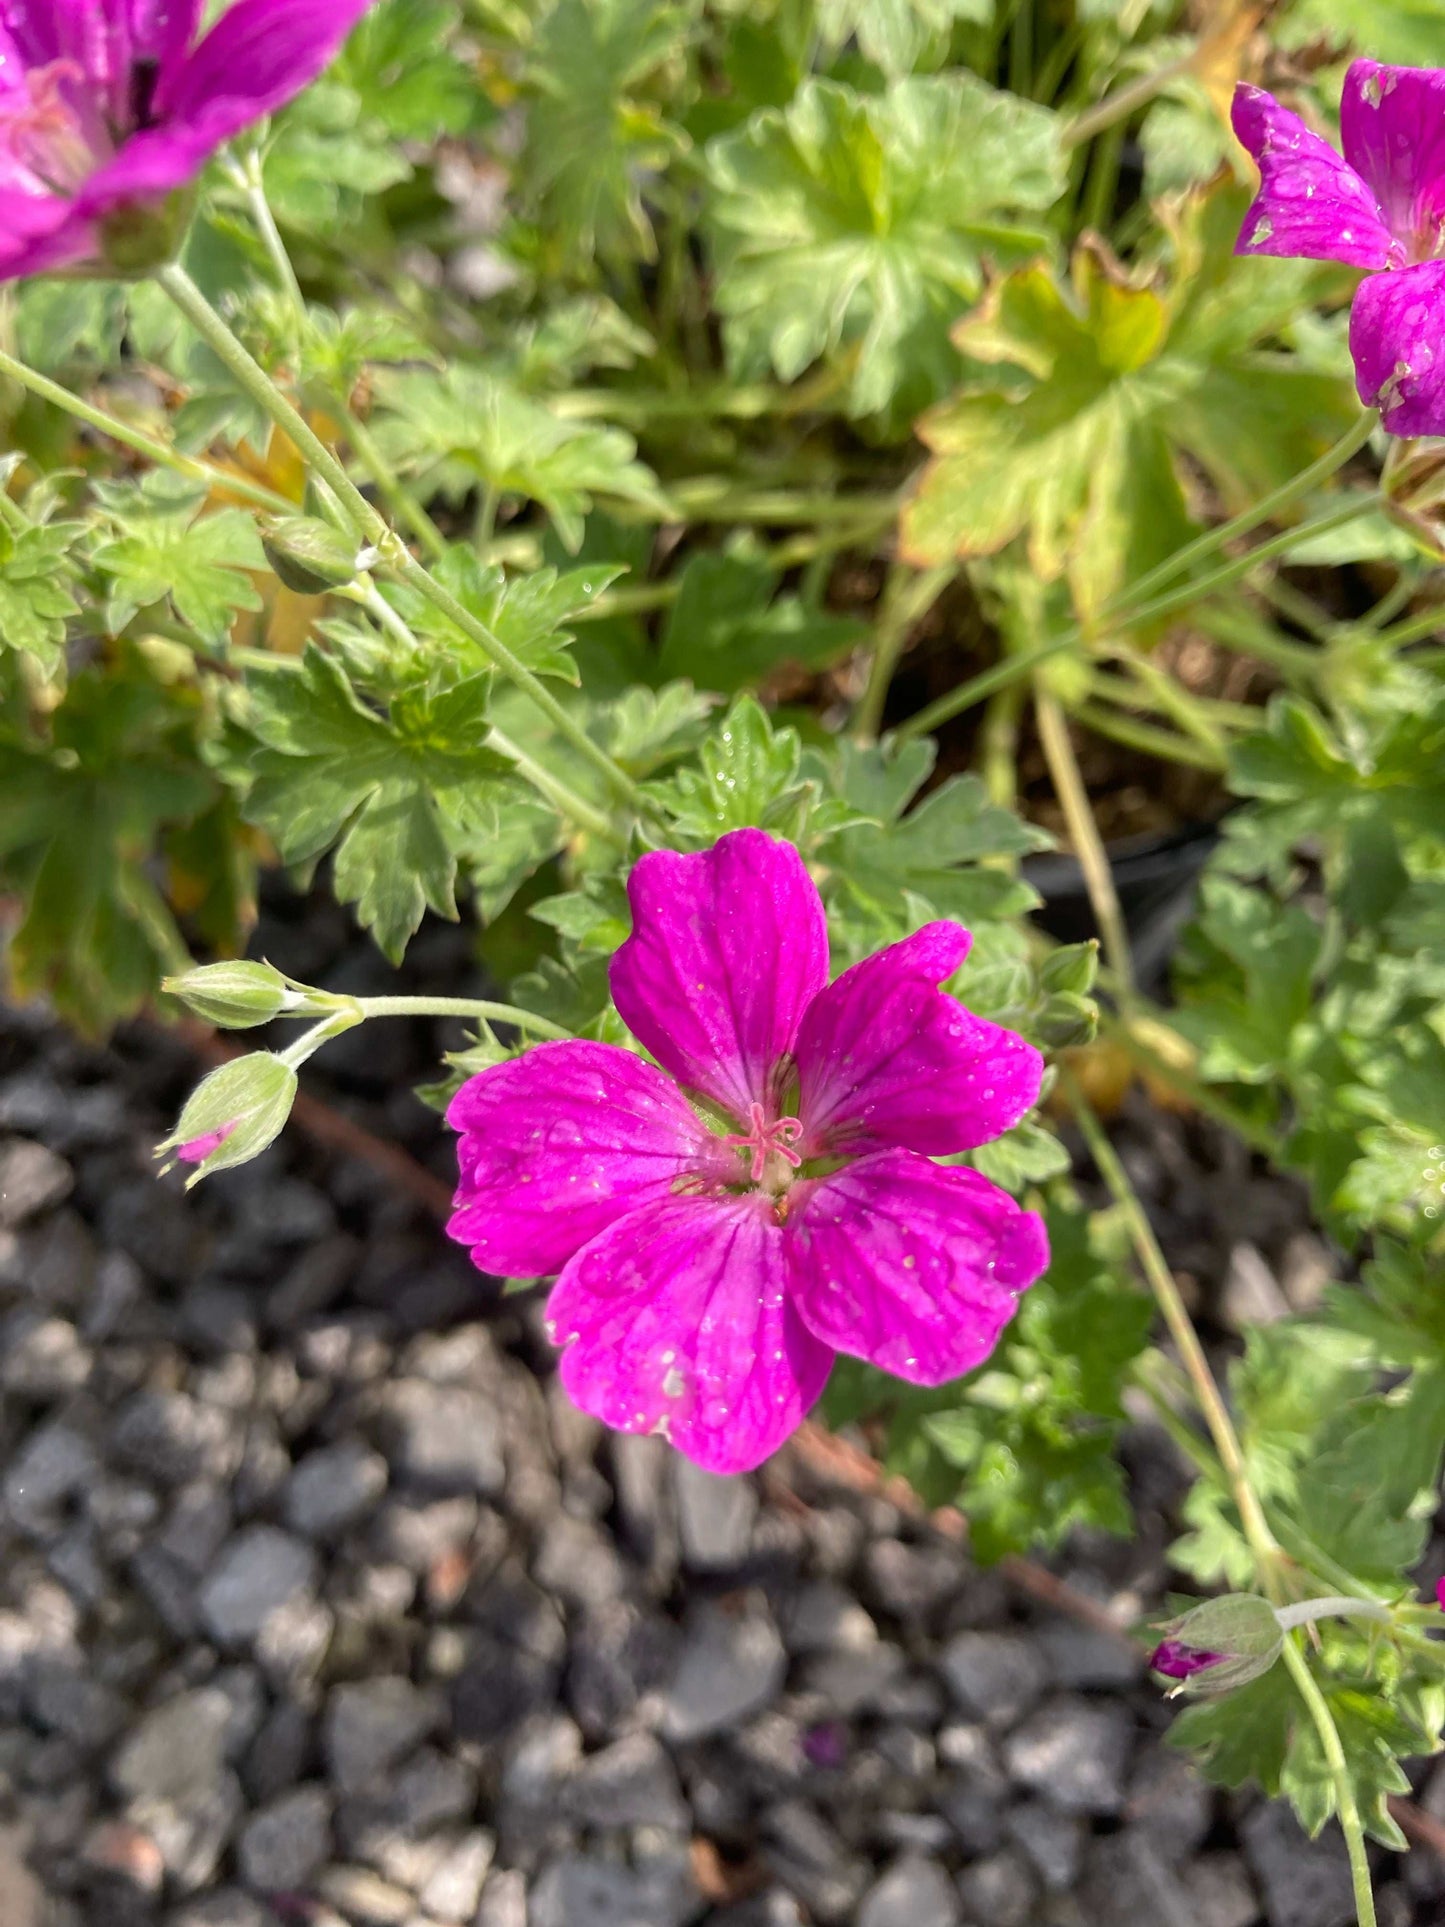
{"type": "Point", "coordinates": [1071, 969]}
{"type": "Point", "coordinates": [309, 556]}
{"type": "Point", "coordinates": [1066, 1021]}
{"type": "Point", "coordinates": [232, 1115]}
{"type": "Point", "coordinates": [1220, 1645]}
{"type": "Point", "coordinates": [240, 995]}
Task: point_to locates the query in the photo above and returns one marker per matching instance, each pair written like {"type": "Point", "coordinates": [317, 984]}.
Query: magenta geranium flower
{"type": "Point", "coordinates": [724, 1224]}
{"type": "Point", "coordinates": [106, 109]}
{"type": "Point", "coordinates": [1381, 207]}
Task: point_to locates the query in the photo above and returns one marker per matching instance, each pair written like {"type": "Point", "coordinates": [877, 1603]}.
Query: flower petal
{"type": "Point", "coordinates": [40, 232]}
{"type": "Point", "coordinates": [1392, 128]}
{"type": "Point", "coordinates": [677, 1319]}
{"type": "Point", "coordinates": [1397, 337]}
{"type": "Point", "coordinates": [885, 1058]}
{"type": "Point", "coordinates": [258, 56]}
{"type": "Point", "coordinates": [727, 949]}
{"type": "Point", "coordinates": [916, 1267]}
{"type": "Point", "coordinates": [1311, 204]}
{"type": "Point", "coordinates": [558, 1144]}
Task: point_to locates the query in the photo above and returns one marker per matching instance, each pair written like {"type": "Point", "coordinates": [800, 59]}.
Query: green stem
{"type": "Point", "coordinates": [551, 788]}
{"type": "Point", "coordinates": [371, 524]}
{"type": "Point", "coordinates": [1262, 1542]}
{"type": "Point", "coordinates": [907, 596]}
{"type": "Point", "coordinates": [140, 443]}
{"type": "Point", "coordinates": [1123, 102]}
{"type": "Point", "coordinates": [1153, 742]}
{"type": "Point", "coordinates": [1000, 748]}
{"type": "Point", "coordinates": [460, 1007]}
{"type": "Point", "coordinates": [389, 485]}
{"type": "Point", "coordinates": [1012, 669]}
{"type": "Point", "coordinates": [1177, 703]}
{"type": "Point", "coordinates": [1345, 1804]}
{"type": "Point", "coordinates": [247, 176]}
{"type": "Point", "coordinates": [1073, 800]}
{"type": "Point", "coordinates": [707, 498]}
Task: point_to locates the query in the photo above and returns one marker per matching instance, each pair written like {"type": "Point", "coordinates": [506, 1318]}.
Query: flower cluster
{"type": "Point", "coordinates": [106, 109]}
{"type": "Point", "coordinates": [764, 1196]}
{"type": "Point", "coordinates": [1380, 207]}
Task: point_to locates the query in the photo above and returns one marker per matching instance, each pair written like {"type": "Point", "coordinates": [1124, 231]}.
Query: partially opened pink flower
{"type": "Point", "coordinates": [106, 109]}
{"type": "Point", "coordinates": [1382, 207]}
{"type": "Point", "coordinates": [724, 1225]}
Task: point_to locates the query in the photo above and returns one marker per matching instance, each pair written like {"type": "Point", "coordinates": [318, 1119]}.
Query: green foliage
{"type": "Point", "coordinates": [165, 549]}
{"type": "Point", "coordinates": [856, 227]}
{"type": "Point", "coordinates": [1092, 397]}
{"type": "Point", "coordinates": [37, 571]}
{"type": "Point", "coordinates": [399, 797]}
{"type": "Point", "coordinates": [728, 628]}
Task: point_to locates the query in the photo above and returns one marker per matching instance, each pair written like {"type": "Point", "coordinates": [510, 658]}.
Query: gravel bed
{"type": "Point", "coordinates": [319, 1607]}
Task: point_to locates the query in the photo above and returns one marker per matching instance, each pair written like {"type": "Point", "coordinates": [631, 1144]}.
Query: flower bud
{"type": "Point", "coordinates": [232, 1115]}
{"type": "Point", "coordinates": [1071, 969]}
{"type": "Point", "coordinates": [1222, 1644]}
{"type": "Point", "coordinates": [1066, 1021]}
{"type": "Point", "coordinates": [309, 556]}
{"type": "Point", "coordinates": [239, 995]}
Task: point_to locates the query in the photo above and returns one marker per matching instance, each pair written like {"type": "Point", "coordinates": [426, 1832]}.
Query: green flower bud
{"type": "Point", "coordinates": [309, 556]}
{"type": "Point", "coordinates": [232, 1115]}
{"type": "Point", "coordinates": [239, 995]}
{"type": "Point", "coordinates": [1220, 1645]}
{"type": "Point", "coordinates": [1071, 969]}
{"type": "Point", "coordinates": [1066, 1021]}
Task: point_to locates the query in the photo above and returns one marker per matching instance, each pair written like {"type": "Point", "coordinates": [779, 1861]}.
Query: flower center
{"type": "Point", "coordinates": [773, 1158]}
{"type": "Point", "coordinates": [42, 133]}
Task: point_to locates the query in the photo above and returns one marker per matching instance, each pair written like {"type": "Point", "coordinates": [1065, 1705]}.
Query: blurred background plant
{"type": "Point", "coordinates": [853, 412]}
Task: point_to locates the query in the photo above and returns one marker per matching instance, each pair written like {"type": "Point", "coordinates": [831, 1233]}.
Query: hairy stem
{"type": "Point", "coordinates": [1073, 800]}
{"type": "Point", "coordinates": [136, 439]}
{"type": "Point", "coordinates": [461, 1007]}
{"type": "Point", "coordinates": [1345, 1803]}
{"type": "Point", "coordinates": [371, 525]}
{"type": "Point", "coordinates": [1123, 102]}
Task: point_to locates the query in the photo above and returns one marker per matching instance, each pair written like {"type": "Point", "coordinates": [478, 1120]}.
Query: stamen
{"type": "Point", "coordinates": [43, 132]}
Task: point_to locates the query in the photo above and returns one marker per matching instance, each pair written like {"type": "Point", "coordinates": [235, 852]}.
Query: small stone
{"type": "Point", "coordinates": [915, 1892]}
{"type": "Point", "coordinates": [631, 1783]}
{"type": "Point", "coordinates": [504, 1900]}
{"type": "Point", "coordinates": [227, 1908]}
{"type": "Point", "coordinates": [331, 1489]}
{"type": "Point", "coordinates": [1074, 1753]}
{"type": "Point", "coordinates": [127, 1852]}
{"type": "Point", "coordinates": [370, 1726]}
{"type": "Point", "coordinates": [177, 1747]}
{"type": "Point", "coordinates": [1080, 1657]}
{"type": "Point", "coordinates": [418, 1536]}
{"type": "Point", "coordinates": [543, 1758]}
{"type": "Point", "coordinates": [1306, 1883]}
{"type": "Point", "coordinates": [1127, 1880]}
{"type": "Point", "coordinates": [1220, 1892]}
{"type": "Point", "coordinates": [62, 1700]}
{"type": "Point", "coordinates": [42, 1358]}
{"type": "Point", "coordinates": [454, 1891]}
{"type": "Point", "coordinates": [823, 1618]}
{"type": "Point", "coordinates": [581, 1891]}
{"type": "Point", "coordinates": [732, 1664]}
{"type": "Point", "coordinates": [279, 1755]}
{"type": "Point", "coordinates": [500, 1688]}
{"type": "Point", "coordinates": [365, 1898]}
{"type": "Point", "coordinates": [995, 1677]}
{"type": "Point", "coordinates": [54, 1465]}
{"type": "Point", "coordinates": [286, 1844]}
{"type": "Point", "coordinates": [616, 1657]}
{"type": "Point", "coordinates": [774, 1908]}
{"type": "Point", "coordinates": [170, 1438]}
{"type": "Point", "coordinates": [1169, 1804]}
{"type": "Point", "coordinates": [1053, 1842]}
{"type": "Point", "coordinates": [997, 1892]}
{"type": "Point", "coordinates": [1251, 1294]}
{"type": "Point", "coordinates": [1305, 1269]}
{"type": "Point", "coordinates": [32, 1179]}
{"type": "Point", "coordinates": [445, 1438]}
{"type": "Point", "coordinates": [807, 1856]}
{"type": "Point", "coordinates": [259, 1571]}
{"type": "Point", "coordinates": [848, 1683]}
{"type": "Point", "coordinates": [910, 1582]}
{"type": "Point", "coordinates": [715, 1517]}
{"type": "Point", "coordinates": [197, 1525]}
{"type": "Point", "coordinates": [192, 1829]}
{"type": "Point", "coordinates": [578, 1563]}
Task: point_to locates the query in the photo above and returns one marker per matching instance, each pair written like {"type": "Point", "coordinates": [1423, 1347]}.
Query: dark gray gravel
{"type": "Point", "coordinates": [320, 1608]}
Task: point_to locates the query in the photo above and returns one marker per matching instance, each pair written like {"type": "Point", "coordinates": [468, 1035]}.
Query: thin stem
{"type": "Point", "coordinates": [1084, 836]}
{"type": "Point", "coordinates": [247, 176]}
{"type": "Point", "coordinates": [1248, 519]}
{"type": "Point", "coordinates": [1136, 614]}
{"type": "Point", "coordinates": [1153, 742]}
{"type": "Point", "coordinates": [1000, 749]}
{"type": "Point", "coordinates": [1123, 102]}
{"type": "Point", "coordinates": [460, 1007]}
{"type": "Point", "coordinates": [135, 439]}
{"type": "Point", "coordinates": [1186, 710]}
{"type": "Point", "coordinates": [551, 788]}
{"type": "Point", "coordinates": [1345, 1804]}
{"type": "Point", "coordinates": [907, 596]}
{"type": "Point", "coordinates": [1261, 1539]}
{"type": "Point", "coordinates": [1011, 669]}
{"type": "Point", "coordinates": [1334, 1606]}
{"type": "Point", "coordinates": [389, 485]}
{"type": "Point", "coordinates": [370, 523]}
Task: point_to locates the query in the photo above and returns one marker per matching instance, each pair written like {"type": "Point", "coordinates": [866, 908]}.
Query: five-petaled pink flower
{"type": "Point", "coordinates": [721, 1236]}
{"type": "Point", "coordinates": [1381, 206]}
{"type": "Point", "coordinates": [106, 109]}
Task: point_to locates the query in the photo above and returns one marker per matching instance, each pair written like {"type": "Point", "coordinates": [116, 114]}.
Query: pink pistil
{"type": "Point", "coordinates": [763, 1139]}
